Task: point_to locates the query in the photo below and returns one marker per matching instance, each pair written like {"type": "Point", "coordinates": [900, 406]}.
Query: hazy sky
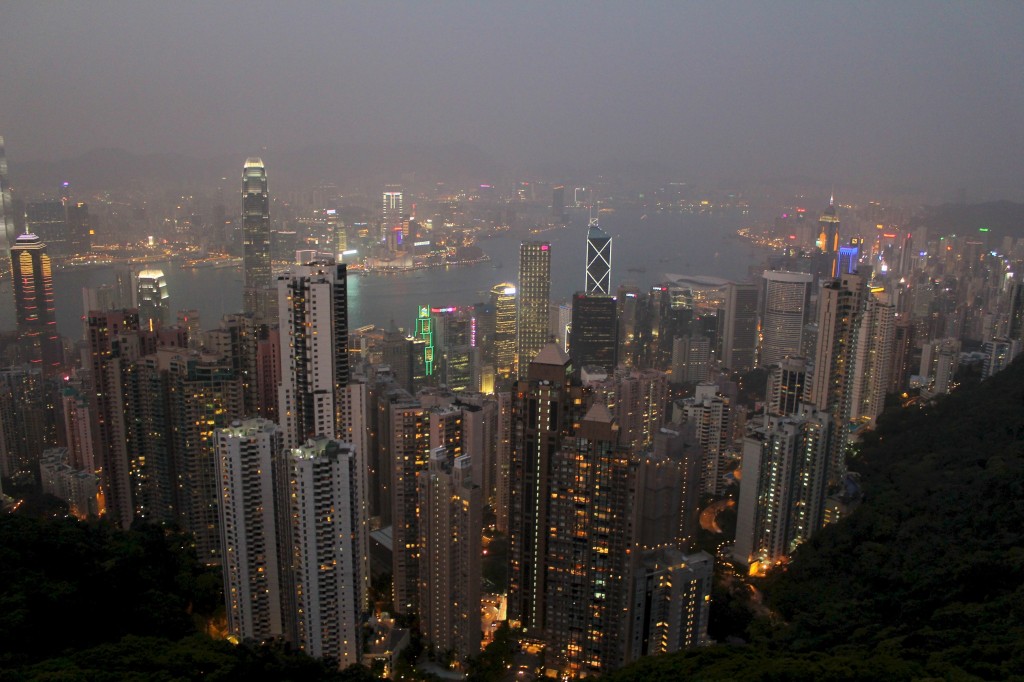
{"type": "Point", "coordinates": [925, 93]}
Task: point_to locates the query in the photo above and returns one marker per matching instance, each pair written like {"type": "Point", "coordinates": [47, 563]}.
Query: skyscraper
{"type": "Point", "coordinates": [593, 340]}
{"type": "Point", "coordinates": [873, 359]}
{"type": "Point", "coordinates": [503, 345]}
{"type": "Point", "coordinates": [313, 305]}
{"type": "Point", "coordinates": [451, 517]}
{"type": "Point", "coordinates": [256, 241]}
{"type": "Point", "coordinates": [7, 235]}
{"type": "Point", "coordinates": [392, 206]}
{"type": "Point", "coordinates": [534, 300]}
{"type": "Point", "coordinates": [48, 219]}
{"type": "Point", "coordinates": [785, 309]}
{"type": "Point", "coordinates": [782, 495]}
{"type": "Point", "coordinates": [153, 303]}
{"type": "Point", "coordinates": [599, 261]}
{"type": "Point", "coordinates": [326, 526]}
{"type": "Point", "coordinates": [248, 524]}
{"type": "Point", "coordinates": [841, 303]}
{"type": "Point", "coordinates": [828, 230]}
{"type": "Point", "coordinates": [558, 202]}
{"type": "Point", "coordinates": [738, 323]}
{"type": "Point", "coordinates": [33, 303]}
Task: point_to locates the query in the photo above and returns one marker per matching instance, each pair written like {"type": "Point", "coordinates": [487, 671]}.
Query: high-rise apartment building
{"type": "Point", "coordinates": [709, 412]}
{"type": "Point", "coordinates": [313, 309]}
{"type": "Point", "coordinates": [534, 300]}
{"type": "Point", "coordinates": [34, 307]}
{"type": "Point", "coordinates": [784, 312]}
{"type": "Point", "coordinates": [450, 525]}
{"type": "Point", "coordinates": [841, 303]}
{"type": "Point", "coordinates": [598, 278]}
{"type": "Point", "coordinates": [246, 453]}
{"type": "Point", "coordinates": [782, 495]}
{"type": "Point", "coordinates": [787, 382]}
{"type": "Point", "coordinates": [27, 420]}
{"type": "Point", "coordinates": [873, 359]}
{"type": "Point", "coordinates": [258, 284]}
{"type": "Point", "coordinates": [326, 561]}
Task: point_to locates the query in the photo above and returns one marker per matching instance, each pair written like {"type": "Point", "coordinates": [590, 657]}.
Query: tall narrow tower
{"type": "Point", "coordinates": [828, 234]}
{"type": "Point", "coordinates": [503, 298]}
{"type": "Point", "coordinates": [33, 302]}
{"type": "Point", "coordinates": [313, 308]}
{"type": "Point", "coordinates": [534, 299]}
{"type": "Point", "coordinates": [256, 240]}
{"type": "Point", "coordinates": [599, 261]}
{"type": "Point", "coordinates": [7, 235]}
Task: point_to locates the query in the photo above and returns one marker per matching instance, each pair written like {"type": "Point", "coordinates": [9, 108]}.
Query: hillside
{"type": "Point", "coordinates": [925, 580]}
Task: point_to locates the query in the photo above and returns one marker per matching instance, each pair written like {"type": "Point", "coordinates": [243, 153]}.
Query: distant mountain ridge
{"type": "Point", "coordinates": [346, 165]}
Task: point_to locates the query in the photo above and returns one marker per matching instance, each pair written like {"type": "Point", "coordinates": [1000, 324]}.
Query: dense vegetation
{"type": "Point", "coordinates": [924, 580]}
{"type": "Point", "coordinates": [85, 601]}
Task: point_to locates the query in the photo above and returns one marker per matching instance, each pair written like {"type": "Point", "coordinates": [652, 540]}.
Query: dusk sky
{"type": "Point", "coordinates": [929, 94]}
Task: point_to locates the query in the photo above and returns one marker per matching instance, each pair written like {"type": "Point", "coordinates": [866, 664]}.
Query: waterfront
{"type": "Point", "coordinates": [645, 248]}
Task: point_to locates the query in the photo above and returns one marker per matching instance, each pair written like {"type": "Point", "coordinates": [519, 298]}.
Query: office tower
{"type": "Point", "coordinates": [313, 305]}
{"type": "Point", "coordinates": [828, 231]}
{"type": "Point", "coordinates": [534, 300]}
{"type": "Point", "coordinates": [246, 453]}
{"type": "Point", "coordinates": [631, 320]}
{"type": "Point", "coordinates": [259, 301]}
{"type": "Point", "coordinates": [872, 360]}
{"type": "Point", "coordinates": [79, 488]}
{"type": "Point", "coordinates": [113, 347]}
{"type": "Point", "coordinates": [670, 601]}
{"type": "Point", "coordinates": [455, 350]}
{"type": "Point", "coordinates": [153, 303]}
{"type": "Point", "coordinates": [784, 312]}
{"type": "Point", "coordinates": [451, 520]}
{"type": "Point", "coordinates": [33, 303]}
{"type": "Point", "coordinates": [558, 202]}
{"type": "Point", "coordinates": [405, 439]}
{"type": "Point", "coordinates": [738, 322]}
{"type": "Point", "coordinates": [599, 261]}
{"type": "Point", "coordinates": [841, 303]}
{"type": "Point", "coordinates": [48, 219]}
{"type": "Point", "coordinates": [28, 420]}
{"type": "Point", "coordinates": [593, 340]}
{"type": "Point", "coordinates": [80, 230]}
{"type": "Point", "coordinates": [848, 259]}
{"type": "Point", "coordinates": [7, 229]}
{"type": "Point", "coordinates": [691, 358]}
{"type": "Point", "coordinates": [326, 528]}
{"type": "Point", "coordinates": [392, 206]}
{"type": "Point", "coordinates": [424, 334]}
{"type": "Point", "coordinates": [591, 493]}
{"type": "Point", "coordinates": [503, 344]}
{"type": "Point", "coordinates": [396, 353]}
{"type": "Point", "coordinates": [782, 495]}
{"type": "Point", "coordinates": [560, 325]}
{"type": "Point", "coordinates": [787, 382]}
{"type": "Point", "coordinates": [543, 413]}
{"type": "Point", "coordinates": [709, 412]}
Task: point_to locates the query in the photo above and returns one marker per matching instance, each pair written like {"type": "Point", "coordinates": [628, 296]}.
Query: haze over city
{"type": "Point", "coordinates": [505, 342]}
{"type": "Point", "coordinates": [917, 95]}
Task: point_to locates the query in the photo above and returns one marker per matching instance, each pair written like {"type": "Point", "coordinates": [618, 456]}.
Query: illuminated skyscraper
{"type": "Point", "coordinates": [534, 300]}
{"type": "Point", "coordinates": [259, 295]}
{"type": "Point", "coordinates": [599, 261]}
{"type": "Point", "coordinates": [313, 308]}
{"type": "Point", "coordinates": [33, 303]}
{"type": "Point", "coordinates": [784, 312]}
{"type": "Point", "coordinates": [828, 229]}
{"type": "Point", "coordinates": [503, 345]}
{"type": "Point", "coordinates": [154, 306]}
{"type": "Point", "coordinates": [738, 324]}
